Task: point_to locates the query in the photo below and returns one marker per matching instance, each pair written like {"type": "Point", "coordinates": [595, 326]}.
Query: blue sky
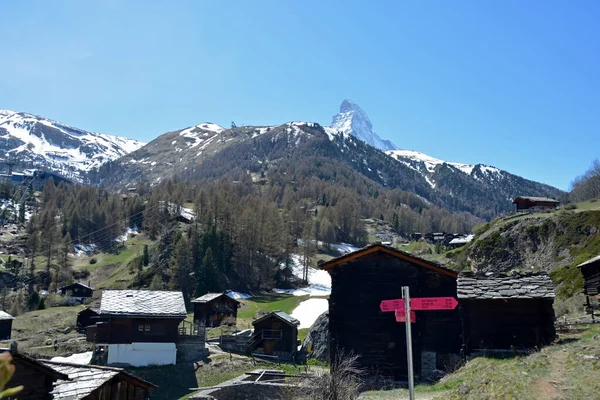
{"type": "Point", "coordinates": [511, 84]}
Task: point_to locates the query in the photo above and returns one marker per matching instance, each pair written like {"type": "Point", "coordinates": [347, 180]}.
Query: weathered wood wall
{"type": "Point", "coordinates": [507, 323]}
{"type": "Point", "coordinates": [204, 311]}
{"type": "Point", "coordinates": [591, 275]}
{"type": "Point", "coordinates": [5, 329]}
{"type": "Point", "coordinates": [357, 325]}
{"type": "Point", "coordinates": [288, 342]}
{"type": "Point", "coordinates": [37, 384]}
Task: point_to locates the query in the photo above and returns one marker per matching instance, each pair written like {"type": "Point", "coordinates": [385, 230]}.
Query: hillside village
{"type": "Point", "coordinates": [151, 299]}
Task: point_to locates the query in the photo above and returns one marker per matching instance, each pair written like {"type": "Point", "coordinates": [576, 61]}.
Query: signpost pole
{"type": "Point", "coordinates": [409, 357]}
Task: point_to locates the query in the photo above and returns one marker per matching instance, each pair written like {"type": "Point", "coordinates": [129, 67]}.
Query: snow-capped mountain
{"type": "Point", "coordinates": [31, 140]}
{"type": "Point", "coordinates": [354, 121]}
{"type": "Point", "coordinates": [427, 166]}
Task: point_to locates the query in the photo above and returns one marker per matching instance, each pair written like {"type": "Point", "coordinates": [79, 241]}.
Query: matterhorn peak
{"type": "Point", "coordinates": [354, 120]}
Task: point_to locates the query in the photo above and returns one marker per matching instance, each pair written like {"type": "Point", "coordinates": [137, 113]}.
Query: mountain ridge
{"type": "Point", "coordinates": [35, 140]}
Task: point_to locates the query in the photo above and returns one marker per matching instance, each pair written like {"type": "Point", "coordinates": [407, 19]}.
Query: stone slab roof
{"type": "Point", "coordinates": [75, 284]}
{"type": "Point", "coordinates": [211, 296]}
{"type": "Point", "coordinates": [281, 315]}
{"type": "Point", "coordinates": [530, 286]}
{"type": "Point", "coordinates": [143, 303]}
{"type": "Point", "coordinates": [85, 379]}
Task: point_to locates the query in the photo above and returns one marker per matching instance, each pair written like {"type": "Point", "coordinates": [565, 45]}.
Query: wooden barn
{"type": "Point", "coordinates": [530, 203]}
{"type": "Point", "coordinates": [360, 281]}
{"type": "Point", "coordinates": [92, 382]}
{"type": "Point", "coordinates": [6, 321]}
{"type": "Point", "coordinates": [77, 290]}
{"type": "Point", "coordinates": [275, 334]}
{"type": "Point", "coordinates": [506, 312]}
{"type": "Point", "coordinates": [212, 308]}
{"type": "Point", "coordinates": [38, 379]}
{"type": "Point", "coordinates": [591, 287]}
{"type": "Point", "coordinates": [140, 327]}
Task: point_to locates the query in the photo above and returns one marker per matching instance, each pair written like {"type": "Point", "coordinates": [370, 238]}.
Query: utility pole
{"type": "Point", "coordinates": [409, 357]}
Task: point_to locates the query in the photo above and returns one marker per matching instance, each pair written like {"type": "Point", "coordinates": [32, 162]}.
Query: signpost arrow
{"type": "Point", "coordinates": [420, 304]}
{"type": "Point", "coordinates": [401, 316]}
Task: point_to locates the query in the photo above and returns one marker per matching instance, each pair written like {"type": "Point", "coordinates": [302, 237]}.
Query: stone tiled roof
{"type": "Point", "coordinates": [143, 303]}
{"type": "Point", "coordinates": [530, 286]}
{"type": "Point", "coordinates": [281, 315]}
{"type": "Point", "coordinates": [209, 297]}
{"type": "Point", "coordinates": [75, 284]}
{"type": "Point", "coordinates": [85, 379]}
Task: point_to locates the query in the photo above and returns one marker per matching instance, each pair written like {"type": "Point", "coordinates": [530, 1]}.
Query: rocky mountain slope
{"type": "Point", "coordinates": [263, 152]}
{"type": "Point", "coordinates": [555, 242]}
{"type": "Point", "coordinates": [31, 140]}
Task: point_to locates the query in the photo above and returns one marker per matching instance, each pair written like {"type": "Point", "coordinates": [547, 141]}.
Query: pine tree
{"type": "Point", "coordinates": [145, 256]}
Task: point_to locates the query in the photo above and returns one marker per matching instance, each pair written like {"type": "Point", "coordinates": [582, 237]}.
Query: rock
{"type": "Point", "coordinates": [48, 342]}
{"type": "Point", "coordinates": [316, 343]}
{"type": "Point", "coordinates": [66, 330]}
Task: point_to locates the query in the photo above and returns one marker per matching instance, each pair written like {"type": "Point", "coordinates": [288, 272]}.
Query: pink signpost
{"type": "Point", "coordinates": [401, 316]}
{"type": "Point", "coordinates": [402, 309]}
{"type": "Point", "coordinates": [420, 304]}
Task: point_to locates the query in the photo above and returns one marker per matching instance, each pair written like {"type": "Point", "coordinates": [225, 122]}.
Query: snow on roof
{"type": "Point", "coordinates": [5, 316]}
{"type": "Point", "coordinates": [533, 198]}
{"type": "Point", "coordinates": [143, 303]}
{"type": "Point", "coordinates": [590, 261]}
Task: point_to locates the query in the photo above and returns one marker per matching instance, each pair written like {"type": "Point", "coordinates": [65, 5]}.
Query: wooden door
{"type": "Point", "coordinates": [269, 347]}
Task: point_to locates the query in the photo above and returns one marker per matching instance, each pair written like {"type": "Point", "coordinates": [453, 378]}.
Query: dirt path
{"type": "Point", "coordinates": [551, 388]}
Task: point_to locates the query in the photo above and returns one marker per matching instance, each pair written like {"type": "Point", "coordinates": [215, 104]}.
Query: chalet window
{"type": "Point", "coordinates": [140, 328]}
{"type": "Point", "coordinates": [147, 328]}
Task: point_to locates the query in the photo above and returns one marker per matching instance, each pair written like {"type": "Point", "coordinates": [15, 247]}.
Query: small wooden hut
{"type": "Point", "coordinates": [360, 281]}
{"type": "Point", "coordinates": [275, 334]}
{"type": "Point", "coordinates": [212, 308]}
{"type": "Point", "coordinates": [591, 287]}
{"type": "Point", "coordinates": [87, 317]}
{"type": "Point", "coordinates": [531, 203]}
{"type": "Point", "coordinates": [77, 290]}
{"type": "Point", "coordinates": [6, 321]}
{"type": "Point", "coordinates": [37, 379]}
{"type": "Point", "coordinates": [506, 312]}
{"type": "Point", "coordinates": [92, 382]}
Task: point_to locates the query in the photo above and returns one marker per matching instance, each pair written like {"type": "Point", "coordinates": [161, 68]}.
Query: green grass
{"type": "Point", "coordinates": [133, 247]}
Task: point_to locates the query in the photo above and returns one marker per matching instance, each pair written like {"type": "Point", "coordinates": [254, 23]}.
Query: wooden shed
{"type": "Point", "coordinates": [92, 382]}
{"type": "Point", "coordinates": [38, 379]}
{"type": "Point", "coordinates": [506, 312]}
{"type": "Point", "coordinates": [212, 308]}
{"type": "Point", "coordinates": [360, 281]}
{"type": "Point", "coordinates": [275, 334]}
{"type": "Point", "coordinates": [6, 321]}
{"type": "Point", "coordinates": [591, 287]}
{"type": "Point", "coordinates": [77, 290]}
{"type": "Point", "coordinates": [529, 203]}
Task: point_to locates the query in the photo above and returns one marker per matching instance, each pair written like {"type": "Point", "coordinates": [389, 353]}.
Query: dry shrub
{"type": "Point", "coordinates": [342, 383]}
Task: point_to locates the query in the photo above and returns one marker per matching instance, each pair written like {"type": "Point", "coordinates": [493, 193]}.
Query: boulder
{"type": "Point", "coordinates": [316, 343]}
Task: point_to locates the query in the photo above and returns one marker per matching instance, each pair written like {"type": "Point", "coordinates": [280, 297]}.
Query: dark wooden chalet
{"type": "Point", "coordinates": [506, 312]}
{"type": "Point", "coordinates": [88, 316]}
{"type": "Point", "coordinates": [6, 321]}
{"type": "Point", "coordinates": [139, 327]}
{"type": "Point", "coordinates": [275, 334]}
{"type": "Point", "coordinates": [38, 379]}
{"type": "Point", "coordinates": [92, 382]}
{"type": "Point", "coordinates": [530, 203]}
{"type": "Point", "coordinates": [212, 308]}
{"type": "Point", "coordinates": [77, 290]}
{"type": "Point", "coordinates": [591, 287]}
{"type": "Point", "coordinates": [360, 281]}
